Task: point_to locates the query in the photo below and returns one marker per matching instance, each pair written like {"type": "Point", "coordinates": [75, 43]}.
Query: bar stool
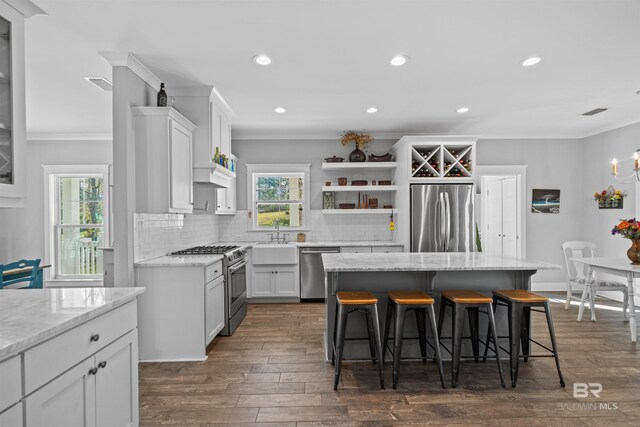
{"type": "Point", "coordinates": [346, 303]}
{"type": "Point", "coordinates": [462, 301]}
{"type": "Point", "coordinates": [399, 303]}
{"type": "Point", "coordinates": [519, 303]}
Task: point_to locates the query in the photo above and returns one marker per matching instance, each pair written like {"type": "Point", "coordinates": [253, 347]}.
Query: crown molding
{"type": "Point", "coordinates": [217, 99]}
{"type": "Point", "coordinates": [191, 90]}
{"type": "Point", "coordinates": [69, 137]}
{"type": "Point", "coordinates": [26, 7]}
{"type": "Point", "coordinates": [127, 59]}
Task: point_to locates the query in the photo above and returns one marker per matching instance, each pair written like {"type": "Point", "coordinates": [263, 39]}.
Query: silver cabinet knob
{"type": "Point", "coordinates": [95, 337]}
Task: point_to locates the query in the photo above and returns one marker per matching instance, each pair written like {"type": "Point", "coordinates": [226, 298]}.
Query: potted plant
{"type": "Point", "coordinates": [630, 229]}
{"type": "Point", "coordinates": [360, 140]}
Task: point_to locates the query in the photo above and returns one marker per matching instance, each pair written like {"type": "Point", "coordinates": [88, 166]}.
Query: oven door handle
{"type": "Point", "coordinates": [237, 267]}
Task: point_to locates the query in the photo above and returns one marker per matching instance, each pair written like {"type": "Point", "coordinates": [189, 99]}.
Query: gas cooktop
{"type": "Point", "coordinates": [206, 250]}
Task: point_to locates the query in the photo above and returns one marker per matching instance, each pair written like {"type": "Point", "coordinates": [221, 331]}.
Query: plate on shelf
{"type": "Point", "coordinates": [334, 159]}
{"type": "Point", "coordinates": [347, 205]}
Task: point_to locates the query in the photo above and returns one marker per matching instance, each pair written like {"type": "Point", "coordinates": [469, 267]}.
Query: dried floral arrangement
{"type": "Point", "coordinates": [360, 139]}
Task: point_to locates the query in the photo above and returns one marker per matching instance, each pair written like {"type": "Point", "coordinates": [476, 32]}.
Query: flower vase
{"type": "Point", "coordinates": [607, 203]}
{"type": "Point", "coordinates": [601, 203]}
{"type": "Point", "coordinates": [357, 155]}
{"type": "Point", "coordinates": [614, 203]}
{"type": "Point", "coordinates": [634, 252]}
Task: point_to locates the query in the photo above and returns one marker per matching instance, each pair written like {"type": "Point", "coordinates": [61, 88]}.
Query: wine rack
{"type": "Point", "coordinates": [442, 161]}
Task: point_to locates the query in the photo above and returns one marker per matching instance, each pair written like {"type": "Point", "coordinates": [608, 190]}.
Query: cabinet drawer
{"type": "Point", "coordinates": [386, 249]}
{"type": "Point", "coordinates": [51, 358]}
{"type": "Point", "coordinates": [356, 249]}
{"type": "Point", "coordinates": [212, 271]}
{"type": "Point", "coordinates": [12, 417]}
{"type": "Point", "coordinates": [10, 382]}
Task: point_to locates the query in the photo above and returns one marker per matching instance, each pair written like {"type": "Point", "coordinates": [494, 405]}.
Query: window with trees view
{"type": "Point", "coordinates": [279, 197]}
{"type": "Point", "coordinates": [77, 221]}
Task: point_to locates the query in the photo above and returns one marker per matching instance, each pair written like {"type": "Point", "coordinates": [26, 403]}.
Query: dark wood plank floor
{"type": "Point", "coordinates": [271, 372]}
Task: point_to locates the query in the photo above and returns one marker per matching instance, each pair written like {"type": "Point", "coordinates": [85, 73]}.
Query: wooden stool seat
{"type": "Point", "coordinates": [356, 298]}
{"type": "Point", "coordinates": [519, 295]}
{"type": "Point", "coordinates": [410, 297]}
{"type": "Point", "coordinates": [467, 297]}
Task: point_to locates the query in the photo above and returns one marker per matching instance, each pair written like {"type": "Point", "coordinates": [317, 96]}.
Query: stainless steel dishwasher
{"type": "Point", "coordinates": [312, 272]}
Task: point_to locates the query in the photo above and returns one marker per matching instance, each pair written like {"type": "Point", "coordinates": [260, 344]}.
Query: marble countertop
{"type": "Point", "coordinates": [30, 316]}
{"type": "Point", "coordinates": [409, 261]}
{"type": "Point", "coordinates": [325, 243]}
{"type": "Point", "coordinates": [180, 261]}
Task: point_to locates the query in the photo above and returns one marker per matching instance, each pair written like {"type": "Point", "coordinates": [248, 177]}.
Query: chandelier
{"type": "Point", "coordinates": [634, 177]}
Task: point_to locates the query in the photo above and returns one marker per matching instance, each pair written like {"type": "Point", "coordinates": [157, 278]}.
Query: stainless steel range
{"type": "Point", "coordinates": [234, 265]}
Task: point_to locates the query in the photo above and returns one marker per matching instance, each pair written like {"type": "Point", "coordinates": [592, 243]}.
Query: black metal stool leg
{"type": "Point", "coordinates": [376, 332]}
{"type": "Point", "coordinates": [339, 343]}
{"type": "Point", "coordinates": [489, 333]}
{"type": "Point", "coordinates": [458, 322]}
{"type": "Point", "coordinates": [335, 329]}
{"type": "Point", "coordinates": [387, 327]}
{"type": "Point", "coordinates": [515, 333]}
{"type": "Point", "coordinates": [526, 332]}
{"type": "Point", "coordinates": [436, 343]}
{"type": "Point", "coordinates": [472, 313]}
{"type": "Point", "coordinates": [552, 334]}
{"type": "Point", "coordinates": [372, 343]}
{"type": "Point", "coordinates": [443, 305]}
{"type": "Point", "coordinates": [492, 325]}
{"type": "Point", "coordinates": [422, 334]}
{"type": "Point", "coordinates": [397, 342]}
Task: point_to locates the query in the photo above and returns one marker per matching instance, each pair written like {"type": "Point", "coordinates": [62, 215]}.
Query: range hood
{"type": "Point", "coordinates": [217, 175]}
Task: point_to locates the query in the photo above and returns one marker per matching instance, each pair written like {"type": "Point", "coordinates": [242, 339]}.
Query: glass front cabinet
{"type": "Point", "coordinates": [12, 107]}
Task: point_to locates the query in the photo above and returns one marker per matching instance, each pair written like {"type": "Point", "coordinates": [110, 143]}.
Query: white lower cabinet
{"type": "Point", "coordinates": [12, 416]}
{"type": "Point", "coordinates": [100, 391]}
{"type": "Point", "coordinates": [275, 281]}
{"type": "Point", "coordinates": [355, 249]}
{"type": "Point", "coordinates": [214, 308]}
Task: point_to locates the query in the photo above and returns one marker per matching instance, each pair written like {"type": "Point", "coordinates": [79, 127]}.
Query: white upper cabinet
{"type": "Point", "coordinates": [164, 168]}
{"type": "Point", "coordinates": [12, 101]}
{"type": "Point", "coordinates": [226, 197]}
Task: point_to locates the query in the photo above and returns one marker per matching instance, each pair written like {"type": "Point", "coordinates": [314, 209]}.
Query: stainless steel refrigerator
{"type": "Point", "coordinates": [442, 218]}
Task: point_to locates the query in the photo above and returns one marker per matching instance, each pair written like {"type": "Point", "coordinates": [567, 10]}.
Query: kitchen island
{"type": "Point", "coordinates": [428, 272]}
{"type": "Point", "coordinates": [69, 357]}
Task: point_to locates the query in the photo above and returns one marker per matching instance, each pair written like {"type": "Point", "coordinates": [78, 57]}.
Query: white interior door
{"type": "Point", "coordinates": [493, 202]}
{"type": "Point", "coordinates": [509, 216]}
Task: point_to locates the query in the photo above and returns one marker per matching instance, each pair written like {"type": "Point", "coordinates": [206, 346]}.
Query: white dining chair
{"type": "Point", "coordinates": [576, 277]}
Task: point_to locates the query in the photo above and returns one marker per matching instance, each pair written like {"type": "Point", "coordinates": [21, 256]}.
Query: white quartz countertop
{"type": "Point", "coordinates": [325, 243]}
{"type": "Point", "coordinates": [411, 261]}
{"type": "Point", "coordinates": [180, 261]}
{"type": "Point", "coordinates": [30, 316]}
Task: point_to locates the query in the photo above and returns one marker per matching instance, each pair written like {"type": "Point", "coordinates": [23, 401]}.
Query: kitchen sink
{"type": "Point", "coordinates": [275, 253]}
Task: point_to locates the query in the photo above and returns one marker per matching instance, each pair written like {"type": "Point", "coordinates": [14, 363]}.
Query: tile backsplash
{"type": "Point", "coordinates": [159, 234]}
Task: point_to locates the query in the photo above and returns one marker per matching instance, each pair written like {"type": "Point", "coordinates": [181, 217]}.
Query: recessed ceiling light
{"type": "Point", "coordinates": [462, 110]}
{"type": "Point", "coordinates": [280, 110]}
{"type": "Point", "coordinates": [100, 82]}
{"type": "Point", "coordinates": [262, 60]}
{"type": "Point", "coordinates": [399, 60]}
{"type": "Point", "coordinates": [531, 61]}
{"type": "Point", "coordinates": [372, 110]}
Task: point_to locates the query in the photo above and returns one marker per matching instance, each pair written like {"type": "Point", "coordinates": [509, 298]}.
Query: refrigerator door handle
{"type": "Point", "coordinates": [447, 227]}
{"type": "Point", "coordinates": [442, 246]}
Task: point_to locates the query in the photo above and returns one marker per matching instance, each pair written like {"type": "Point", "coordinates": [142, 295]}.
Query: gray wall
{"type": "Point", "coordinates": [311, 151]}
{"type": "Point", "coordinates": [22, 230]}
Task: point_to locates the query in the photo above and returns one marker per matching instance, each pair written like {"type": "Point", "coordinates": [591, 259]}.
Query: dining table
{"type": "Point", "coordinates": [616, 266]}
{"type": "Point", "coordinates": [26, 271]}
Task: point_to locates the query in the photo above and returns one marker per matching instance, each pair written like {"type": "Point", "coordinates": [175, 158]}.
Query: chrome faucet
{"type": "Point", "coordinates": [278, 239]}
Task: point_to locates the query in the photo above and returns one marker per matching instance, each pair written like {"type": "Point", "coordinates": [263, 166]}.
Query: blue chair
{"type": "Point", "coordinates": [17, 276]}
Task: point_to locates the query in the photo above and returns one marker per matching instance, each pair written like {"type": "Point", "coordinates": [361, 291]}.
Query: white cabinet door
{"type": "Point", "coordinates": [214, 308]}
{"type": "Point", "coordinates": [117, 383]}
{"type": "Point", "coordinates": [225, 135]}
{"type": "Point", "coordinates": [262, 283]}
{"type": "Point", "coordinates": [286, 284]}
{"type": "Point", "coordinates": [12, 416]}
{"type": "Point", "coordinates": [355, 249]}
{"type": "Point", "coordinates": [216, 123]}
{"type": "Point", "coordinates": [226, 199]}
{"type": "Point", "coordinates": [68, 401]}
{"type": "Point", "coordinates": [181, 168]}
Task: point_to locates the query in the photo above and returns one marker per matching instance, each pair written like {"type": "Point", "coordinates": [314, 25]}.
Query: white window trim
{"type": "Point", "coordinates": [50, 174]}
{"type": "Point", "coordinates": [303, 168]}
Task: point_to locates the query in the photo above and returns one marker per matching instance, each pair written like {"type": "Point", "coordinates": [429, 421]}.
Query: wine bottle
{"type": "Point", "coordinates": [162, 96]}
{"type": "Point", "coordinates": [216, 157]}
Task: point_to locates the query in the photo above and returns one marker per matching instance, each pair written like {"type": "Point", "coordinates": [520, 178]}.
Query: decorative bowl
{"type": "Point", "coordinates": [384, 158]}
{"type": "Point", "coordinates": [359, 182]}
{"type": "Point", "coordinates": [387, 182]}
{"type": "Point", "coordinates": [347, 205]}
{"type": "Point", "coordinates": [388, 206]}
{"type": "Point", "coordinates": [342, 181]}
{"type": "Point", "coordinates": [334, 159]}
{"type": "Point", "coordinates": [373, 203]}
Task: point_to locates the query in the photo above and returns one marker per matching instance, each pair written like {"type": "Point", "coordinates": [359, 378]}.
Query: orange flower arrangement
{"type": "Point", "coordinates": [627, 228]}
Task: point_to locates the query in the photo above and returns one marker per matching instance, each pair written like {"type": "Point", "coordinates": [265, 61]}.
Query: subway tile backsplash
{"type": "Point", "coordinates": [160, 234]}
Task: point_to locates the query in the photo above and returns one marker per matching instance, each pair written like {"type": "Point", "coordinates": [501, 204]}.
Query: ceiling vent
{"type": "Point", "coordinates": [100, 82]}
{"type": "Point", "coordinates": [594, 112]}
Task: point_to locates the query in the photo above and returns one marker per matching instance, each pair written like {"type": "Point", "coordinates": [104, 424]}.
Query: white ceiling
{"type": "Point", "coordinates": [331, 62]}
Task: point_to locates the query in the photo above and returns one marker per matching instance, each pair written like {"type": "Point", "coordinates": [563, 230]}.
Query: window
{"type": "Point", "coordinates": [77, 221]}
{"type": "Point", "coordinates": [278, 195]}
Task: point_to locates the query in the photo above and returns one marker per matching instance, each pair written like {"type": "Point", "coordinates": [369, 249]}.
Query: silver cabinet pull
{"type": "Point", "coordinates": [93, 371]}
{"type": "Point", "coordinates": [95, 337]}
{"type": "Point", "coordinates": [102, 364]}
